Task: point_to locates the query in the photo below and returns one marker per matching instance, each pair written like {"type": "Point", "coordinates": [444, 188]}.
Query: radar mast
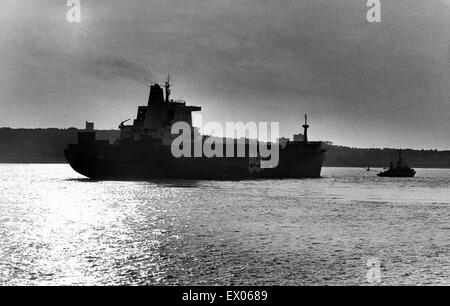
{"type": "Point", "coordinates": [167, 86]}
{"type": "Point", "coordinates": [305, 129]}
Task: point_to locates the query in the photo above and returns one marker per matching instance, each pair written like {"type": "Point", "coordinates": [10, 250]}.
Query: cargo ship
{"type": "Point", "coordinates": [143, 150]}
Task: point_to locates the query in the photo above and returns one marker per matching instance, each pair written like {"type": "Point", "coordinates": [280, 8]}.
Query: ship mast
{"type": "Point", "coordinates": [167, 87]}
{"type": "Point", "coordinates": [305, 129]}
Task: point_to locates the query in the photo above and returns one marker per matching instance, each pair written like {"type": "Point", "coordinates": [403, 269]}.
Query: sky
{"type": "Point", "coordinates": [362, 84]}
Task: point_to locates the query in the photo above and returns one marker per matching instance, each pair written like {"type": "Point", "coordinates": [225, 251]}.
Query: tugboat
{"type": "Point", "coordinates": [400, 170]}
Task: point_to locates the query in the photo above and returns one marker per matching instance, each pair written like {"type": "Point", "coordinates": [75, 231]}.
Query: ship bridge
{"type": "Point", "coordinates": [157, 118]}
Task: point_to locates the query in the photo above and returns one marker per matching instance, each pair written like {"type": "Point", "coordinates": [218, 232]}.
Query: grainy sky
{"type": "Point", "coordinates": [365, 85]}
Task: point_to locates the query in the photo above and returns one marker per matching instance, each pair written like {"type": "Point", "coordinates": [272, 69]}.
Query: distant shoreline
{"type": "Point", "coordinates": [46, 146]}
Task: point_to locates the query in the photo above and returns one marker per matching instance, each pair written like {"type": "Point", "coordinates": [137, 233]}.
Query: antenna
{"type": "Point", "coordinates": [167, 87]}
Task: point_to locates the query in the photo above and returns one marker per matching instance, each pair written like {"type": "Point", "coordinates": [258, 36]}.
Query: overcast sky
{"type": "Point", "coordinates": [365, 85]}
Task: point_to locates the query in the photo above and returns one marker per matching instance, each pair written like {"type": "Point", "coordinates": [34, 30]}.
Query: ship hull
{"type": "Point", "coordinates": [148, 161]}
{"type": "Point", "coordinates": [391, 173]}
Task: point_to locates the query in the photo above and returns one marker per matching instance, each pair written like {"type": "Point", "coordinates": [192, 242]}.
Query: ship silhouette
{"type": "Point", "coordinates": [401, 169]}
{"type": "Point", "coordinates": [143, 151]}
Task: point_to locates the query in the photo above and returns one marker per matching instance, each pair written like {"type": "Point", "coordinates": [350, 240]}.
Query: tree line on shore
{"type": "Point", "coordinates": [47, 145]}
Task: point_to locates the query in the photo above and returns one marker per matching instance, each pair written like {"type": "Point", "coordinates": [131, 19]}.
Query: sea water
{"type": "Point", "coordinates": [59, 228]}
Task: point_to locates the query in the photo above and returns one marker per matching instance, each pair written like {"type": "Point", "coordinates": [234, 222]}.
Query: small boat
{"type": "Point", "coordinates": [400, 170]}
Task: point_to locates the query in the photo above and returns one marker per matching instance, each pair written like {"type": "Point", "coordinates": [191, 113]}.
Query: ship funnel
{"type": "Point", "coordinates": [156, 96]}
{"type": "Point", "coordinates": [156, 113]}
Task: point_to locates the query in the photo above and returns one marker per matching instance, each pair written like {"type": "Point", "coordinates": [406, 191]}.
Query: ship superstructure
{"type": "Point", "coordinates": [156, 119]}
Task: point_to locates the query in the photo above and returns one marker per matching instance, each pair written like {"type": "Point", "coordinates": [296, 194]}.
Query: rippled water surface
{"type": "Point", "coordinates": [59, 228]}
